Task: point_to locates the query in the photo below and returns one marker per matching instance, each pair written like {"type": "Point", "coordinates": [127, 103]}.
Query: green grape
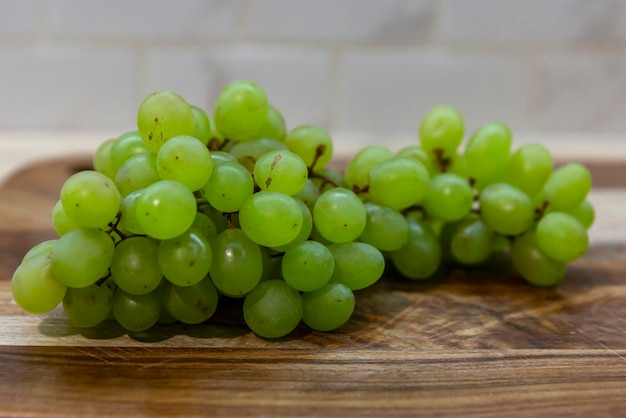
{"type": "Point", "coordinates": [81, 257]}
{"type": "Point", "coordinates": [237, 263]}
{"type": "Point", "coordinates": [385, 228]}
{"type": "Point", "coordinates": [135, 265]}
{"type": "Point", "coordinates": [165, 209]}
{"type": "Point", "coordinates": [309, 194]}
{"type": "Point", "coordinates": [186, 259]}
{"type": "Point", "coordinates": [163, 115]}
{"type": "Point", "coordinates": [358, 169]}
{"type": "Point", "coordinates": [487, 153]}
{"type": "Point", "coordinates": [339, 215]}
{"type": "Point", "coordinates": [421, 256]}
{"type": "Point", "coordinates": [186, 160]}
{"type": "Point", "coordinates": [89, 306]}
{"type": "Point", "coordinates": [280, 171]}
{"type": "Point", "coordinates": [441, 131]}
{"type": "Point", "coordinates": [449, 198]}
{"type": "Point", "coordinates": [34, 287]}
{"type": "Point", "coordinates": [240, 110]}
{"type": "Point", "coordinates": [417, 153]}
{"type": "Point", "coordinates": [327, 308]}
{"type": "Point", "coordinates": [137, 172]}
{"type": "Point", "coordinates": [229, 187]}
{"type": "Point", "coordinates": [533, 265]}
{"type": "Point", "coordinates": [568, 186]}
{"type": "Point", "coordinates": [201, 125]}
{"type": "Point", "coordinates": [218, 217]}
{"type": "Point", "coordinates": [312, 144]}
{"type": "Point", "coordinates": [274, 126]}
{"type": "Point", "coordinates": [44, 247]}
{"type": "Point", "coordinates": [506, 210]}
{"type": "Point", "coordinates": [190, 304]}
{"type": "Point", "coordinates": [62, 224]}
{"type": "Point", "coordinates": [205, 225]}
{"type": "Point", "coordinates": [220, 157]}
{"type": "Point", "coordinates": [307, 266]}
{"type": "Point", "coordinates": [398, 183]}
{"type": "Point", "coordinates": [529, 168]}
{"type": "Point", "coordinates": [102, 162]}
{"type": "Point", "coordinates": [136, 313]}
{"type": "Point", "coordinates": [124, 147]}
{"type": "Point", "coordinates": [128, 214]}
{"type": "Point", "coordinates": [584, 212]}
{"type": "Point", "coordinates": [561, 237]}
{"type": "Point", "coordinates": [357, 264]}
{"type": "Point", "coordinates": [90, 199]}
{"type": "Point", "coordinates": [469, 241]}
{"type": "Point", "coordinates": [271, 219]}
{"type": "Point", "coordinates": [247, 153]}
{"type": "Point", "coordinates": [273, 309]}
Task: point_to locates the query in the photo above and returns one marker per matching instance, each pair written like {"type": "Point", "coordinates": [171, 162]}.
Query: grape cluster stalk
{"type": "Point", "coordinates": [194, 207]}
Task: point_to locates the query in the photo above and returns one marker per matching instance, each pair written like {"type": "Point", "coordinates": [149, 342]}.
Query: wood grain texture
{"type": "Point", "coordinates": [468, 343]}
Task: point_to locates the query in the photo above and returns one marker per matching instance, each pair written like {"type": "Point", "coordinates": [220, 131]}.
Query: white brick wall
{"type": "Point", "coordinates": [356, 66]}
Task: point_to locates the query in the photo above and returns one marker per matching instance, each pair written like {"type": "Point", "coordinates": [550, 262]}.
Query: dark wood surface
{"type": "Point", "coordinates": [469, 343]}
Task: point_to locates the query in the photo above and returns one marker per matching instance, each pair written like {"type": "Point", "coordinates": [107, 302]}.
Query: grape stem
{"type": "Point", "coordinates": [113, 227]}
{"type": "Point", "coordinates": [541, 210]}
{"type": "Point", "coordinates": [442, 161]}
{"type": "Point", "coordinates": [101, 280]}
{"type": "Point", "coordinates": [319, 151]}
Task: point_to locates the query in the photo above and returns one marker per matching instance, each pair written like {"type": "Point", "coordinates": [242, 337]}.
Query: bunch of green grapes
{"type": "Point", "coordinates": [192, 207]}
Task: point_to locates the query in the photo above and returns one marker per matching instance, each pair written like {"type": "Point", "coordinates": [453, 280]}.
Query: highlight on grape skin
{"type": "Point", "coordinates": [193, 207]}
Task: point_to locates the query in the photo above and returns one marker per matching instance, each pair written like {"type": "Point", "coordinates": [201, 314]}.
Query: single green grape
{"type": "Point", "coordinates": [312, 144]}
{"type": "Point", "coordinates": [307, 266]}
{"type": "Point", "coordinates": [449, 197]}
{"type": "Point", "coordinates": [201, 125]}
{"type": "Point", "coordinates": [533, 264]}
{"type": "Point", "coordinates": [273, 309]}
{"type": "Point", "coordinates": [81, 257]}
{"type": "Point", "coordinates": [568, 186]}
{"type": "Point", "coordinates": [562, 237]}
{"type": "Point", "coordinates": [165, 209]}
{"type": "Point", "coordinates": [134, 266]}
{"type": "Point", "coordinates": [585, 213]}
{"type": "Point", "coordinates": [487, 153]}
{"type": "Point", "coordinates": [240, 110]}
{"type": "Point", "coordinates": [186, 259]}
{"type": "Point", "coordinates": [237, 263]}
{"type": "Point", "coordinates": [190, 304]}
{"type": "Point", "coordinates": [186, 160]}
{"type": "Point", "coordinates": [138, 172]}
{"type": "Point", "coordinates": [90, 199]}
{"type": "Point", "coordinates": [529, 168]}
{"type": "Point", "coordinates": [385, 228]}
{"type": "Point", "coordinates": [220, 157]}
{"type": "Point", "coordinates": [163, 115]}
{"type": "Point", "coordinates": [506, 210]}
{"type": "Point", "coordinates": [270, 218]}
{"type": "Point", "coordinates": [468, 241]}
{"type": "Point", "coordinates": [339, 215]}
{"type": "Point", "coordinates": [88, 306]}
{"type": "Point", "coordinates": [309, 194]}
{"type": "Point", "coordinates": [419, 154]}
{"type": "Point", "coordinates": [398, 183]}
{"type": "Point", "coordinates": [305, 231]}
{"type": "Point", "coordinates": [62, 224]}
{"type": "Point", "coordinates": [274, 126]}
{"type": "Point", "coordinates": [327, 308]}
{"type": "Point", "coordinates": [441, 131]}
{"type": "Point", "coordinates": [357, 264]}
{"type": "Point", "coordinates": [229, 187]}
{"type": "Point", "coordinates": [205, 225]}
{"type": "Point", "coordinates": [44, 247]}
{"type": "Point", "coordinates": [421, 256]}
{"type": "Point", "coordinates": [128, 214]}
{"type": "Point", "coordinates": [280, 171]}
{"type": "Point", "coordinates": [34, 287]}
{"type": "Point", "coordinates": [102, 162]}
{"type": "Point", "coordinates": [136, 313]}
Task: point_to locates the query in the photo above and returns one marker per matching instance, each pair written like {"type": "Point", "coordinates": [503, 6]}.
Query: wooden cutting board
{"type": "Point", "coordinates": [470, 342]}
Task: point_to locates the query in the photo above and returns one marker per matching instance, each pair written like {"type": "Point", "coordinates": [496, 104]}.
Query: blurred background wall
{"type": "Point", "coordinates": [351, 66]}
